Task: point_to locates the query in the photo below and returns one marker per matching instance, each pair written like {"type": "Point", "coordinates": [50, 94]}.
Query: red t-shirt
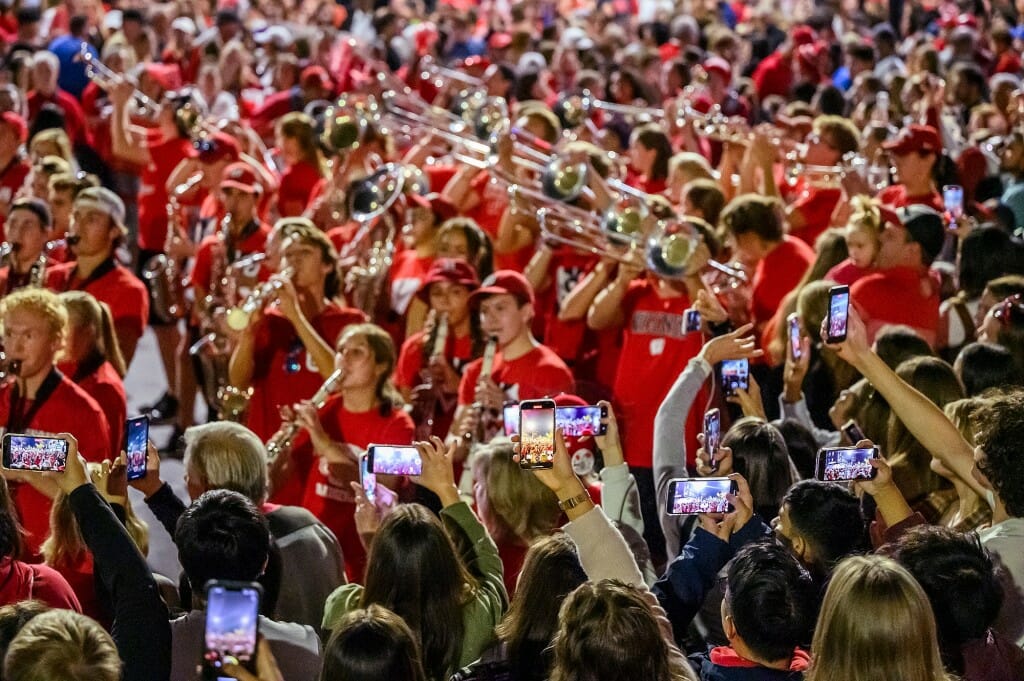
{"type": "Point", "coordinates": [274, 384]}
{"type": "Point", "coordinates": [458, 352]}
{"type": "Point", "coordinates": [74, 117]}
{"type": "Point", "coordinates": [121, 290]}
{"type": "Point", "coordinates": [898, 295]}
{"type": "Point", "coordinates": [774, 75]}
{"type": "Point", "coordinates": [107, 388]}
{"type": "Point", "coordinates": [567, 268]}
{"type": "Point", "coordinates": [165, 155]}
{"type": "Point", "coordinates": [273, 107]}
{"type": "Point", "coordinates": [11, 179]}
{"type": "Point", "coordinates": [776, 275]}
{"type": "Point", "coordinates": [537, 374]}
{"type": "Point", "coordinates": [296, 190]}
{"type": "Point", "coordinates": [21, 582]}
{"type": "Point", "coordinates": [654, 353]}
{"type": "Point", "coordinates": [255, 242]}
{"type": "Point", "coordinates": [488, 212]}
{"type": "Point", "coordinates": [816, 205]}
{"type": "Point", "coordinates": [407, 274]}
{"type": "Point", "coordinates": [896, 197]}
{"type": "Point", "coordinates": [68, 409]}
{"type": "Point", "coordinates": [327, 495]}
{"type": "Point", "coordinates": [846, 273]}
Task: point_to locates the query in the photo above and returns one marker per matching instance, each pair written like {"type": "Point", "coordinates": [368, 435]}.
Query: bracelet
{"type": "Point", "coordinates": [572, 502]}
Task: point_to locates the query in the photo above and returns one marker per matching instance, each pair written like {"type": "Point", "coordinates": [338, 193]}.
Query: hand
{"type": "Point", "coordinates": [843, 409]}
{"type": "Point", "coordinates": [443, 374]}
{"type": "Point", "coordinates": [795, 370]}
{"type": "Point", "coordinates": [367, 515]}
{"type": "Point", "coordinates": [856, 347]}
{"type": "Point", "coordinates": [307, 417]}
{"type": "Point", "coordinates": [735, 345]}
{"type": "Point", "coordinates": [111, 479]}
{"type": "Point", "coordinates": [710, 309]}
{"type": "Point", "coordinates": [266, 666]}
{"type": "Point", "coordinates": [76, 472]}
{"type": "Point", "coordinates": [883, 476]}
{"type": "Point", "coordinates": [723, 457]}
{"type": "Point", "coordinates": [723, 525]}
{"type": "Point", "coordinates": [749, 400]}
{"type": "Point", "coordinates": [150, 483]}
{"type": "Point", "coordinates": [560, 477]}
{"type": "Point", "coordinates": [120, 92]}
{"type": "Point", "coordinates": [287, 298]}
{"type": "Point", "coordinates": [609, 443]}
{"type": "Point", "coordinates": [489, 394]}
{"type": "Point", "coordinates": [437, 475]}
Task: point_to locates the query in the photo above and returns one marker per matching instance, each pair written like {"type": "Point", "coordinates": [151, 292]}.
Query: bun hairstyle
{"type": "Point", "coordinates": [866, 215]}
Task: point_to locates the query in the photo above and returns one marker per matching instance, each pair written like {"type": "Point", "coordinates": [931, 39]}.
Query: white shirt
{"type": "Point", "coordinates": [1006, 543]}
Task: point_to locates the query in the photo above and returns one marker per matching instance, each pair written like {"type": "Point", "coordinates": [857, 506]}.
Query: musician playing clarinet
{"type": "Point", "coordinates": [28, 229]}
{"type": "Point", "coordinates": [287, 350]}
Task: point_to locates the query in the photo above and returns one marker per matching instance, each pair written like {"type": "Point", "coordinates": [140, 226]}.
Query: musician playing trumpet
{"type": "Point", "coordinates": [28, 229]}
{"type": "Point", "coordinates": [286, 351]}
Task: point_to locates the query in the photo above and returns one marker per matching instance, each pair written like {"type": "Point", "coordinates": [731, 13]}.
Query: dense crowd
{"type": "Point", "coordinates": [729, 240]}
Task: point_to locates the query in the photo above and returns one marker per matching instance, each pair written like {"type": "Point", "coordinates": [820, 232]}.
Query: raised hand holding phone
{"type": "Point", "coordinates": [561, 479]}
{"type": "Point", "coordinates": [855, 347]}
{"type": "Point", "coordinates": [76, 471]}
{"type": "Point", "coordinates": [739, 344]}
{"type": "Point", "coordinates": [609, 443]}
{"type": "Point", "coordinates": [266, 666]}
{"type": "Point", "coordinates": [723, 459]}
{"type": "Point", "coordinates": [150, 483]}
{"type": "Point", "coordinates": [892, 506]}
{"type": "Point", "coordinates": [437, 475]}
{"type": "Point", "coordinates": [742, 502]}
{"type": "Point", "coordinates": [749, 399]}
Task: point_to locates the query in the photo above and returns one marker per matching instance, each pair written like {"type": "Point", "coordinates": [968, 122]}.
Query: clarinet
{"type": "Point", "coordinates": [428, 394]}
{"type": "Point", "coordinates": [484, 416]}
{"type": "Point", "coordinates": [281, 441]}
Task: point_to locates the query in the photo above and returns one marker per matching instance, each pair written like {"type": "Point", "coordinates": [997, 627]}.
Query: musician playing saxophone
{"type": "Point", "coordinates": [286, 352]}
{"type": "Point", "coordinates": [28, 230]}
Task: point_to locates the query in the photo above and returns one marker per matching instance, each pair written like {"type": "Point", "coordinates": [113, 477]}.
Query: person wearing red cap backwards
{"type": "Point", "coordinates": [14, 167]}
{"type": "Point", "coordinates": [43, 401]}
{"type": "Point", "coordinates": [314, 84]}
{"type": "Point", "coordinates": [410, 266]}
{"type": "Point", "coordinates": [903, 291]}
{"type": "Point", "coordinates": [914, 154]}
{"type": "Point", "coordinates": [97, 226]}
{"type": "Point", "coordinates": [324, 461]}
{"type": "Point", "coordinates": [423, 377]}
{"type": "Point", "coordinates": [45, 70]}
{"type": "Point", "coordinates": [523, 368]}
{"type": "Point", "coordinates": [285, 353]}
{"type": "Point", "coordinates": [304, 166]}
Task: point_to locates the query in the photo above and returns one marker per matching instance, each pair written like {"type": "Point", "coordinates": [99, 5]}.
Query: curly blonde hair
{"type": "Point", "coordinates": [43, 303]}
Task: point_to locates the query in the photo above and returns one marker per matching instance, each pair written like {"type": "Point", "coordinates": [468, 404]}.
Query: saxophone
{"type": "Point", "coordinates": [428, 395]}
{"type": "Point", "coordinates": [281, 442]}
{"type": "Point", "coordinates": [162, 273]}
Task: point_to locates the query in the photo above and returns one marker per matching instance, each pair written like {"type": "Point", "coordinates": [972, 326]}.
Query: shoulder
{"type": "Point", "coordinates": [125, 277]}
{"type": "Point", "coordinates": [70, 392]}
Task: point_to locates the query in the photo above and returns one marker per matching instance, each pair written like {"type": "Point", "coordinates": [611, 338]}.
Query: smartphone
{"type": "Point", "coordinates": [853, 432]}
{"type": "Point", "coordinates": [688, 496]}
{"type": "Point", "coordinates": [510, 415]}
{"type": "Point", "coordinates": [712, 435]}
{"type": "Point", "coordinates": [537, 434]}
{"type": "Point", "coordinates": [367, 479]}
{"type": "Point", "coordinates": [838, 313]}
{"type": "Point", "coordinates": [691, 321]}
{"type": "Point", "coordinates": [394, 460]}
{"type": "Point", "coordinates": [735, 374]}
{"type": "Point", "coordinates": [581, 421]}
{"type": "Point", "coordinates": [34, 453]}
{"type": "Point", "coordinates": [953, 199]}
{"type": "Point", "coordinates": [795, 339]}
{"type": "Point", "coordinates": [136, 444]}
{"type": "Point", "coordinates": [232, 624]}
{"type": "Point", "coordinates": [837, 464]}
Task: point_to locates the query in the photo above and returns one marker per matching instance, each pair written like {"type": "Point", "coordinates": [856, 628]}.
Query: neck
{"type": "Point", "coordinates": [999, 513]}
{"type": "Point", "coordinates": [520, 345]}
{"type": "Point", "coordinates": [463, 328]}
{"type": "Point", "coordinates": [426, 249]}
{"type": "Point", "coordinates": [741, 648]}
{"type": "Point", "coordinates": [312, 302]}
{"type": "Point", "coordinates": [29, 385]}
{"type": "Point", "coordinates": [88, 263]}
{"type": "Point", "coordinates": [23, 263]}
{"type": "Point", "coordinates": [239, 222]}
{"type": "Point", "coordinates": [919, 186]}
{"type": "Point", "coordinates": [359, 400]}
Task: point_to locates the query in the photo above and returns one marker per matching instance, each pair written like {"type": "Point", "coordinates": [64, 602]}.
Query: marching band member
{"type": "Point", "coordinates": [14, 167]}
{"type": "Point", "coordinates": [28, 229]}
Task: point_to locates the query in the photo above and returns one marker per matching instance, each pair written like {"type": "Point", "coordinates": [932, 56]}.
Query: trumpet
{"type": "Point", "coordinates": [439, 76]}
{"type": "Point", "coordinates": [104, 76]}
{"type": "Point", "coordinates": [281, 442]}
{"type": "Point", "coordinates": [239, 317]}
{"type": "Point", "coordinates": [574, 110]}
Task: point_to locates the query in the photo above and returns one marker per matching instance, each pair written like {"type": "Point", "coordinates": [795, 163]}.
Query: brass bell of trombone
{"type": "Point", "coordinates": [490, 117]}
{"type": "Point", "coordinates": [373, 195]}
{"type": "Point", "coordinates": [563, 181]}
{"type": "Point", "coordinates": [414, 180]}
{"type": "Point", "coordinates": [572, 111]}
{"type": "Point", "coordinates": [624, 226]}
{"type": "Point", "coordinates": [670, 247]}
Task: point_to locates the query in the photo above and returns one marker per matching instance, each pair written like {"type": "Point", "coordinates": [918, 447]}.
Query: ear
{"type": "Point", "coordinates": [526, 313]}
{"type": "Point", "coordinates": [728, 626]}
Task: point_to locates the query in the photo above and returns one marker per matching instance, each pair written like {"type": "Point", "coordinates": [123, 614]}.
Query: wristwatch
{"type": "Point", "coordinates": [573, 502]}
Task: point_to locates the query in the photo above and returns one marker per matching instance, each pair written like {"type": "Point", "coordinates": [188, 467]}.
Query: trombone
{"type": "Point", "coordinates": [574, 110]}
{"type": "Point", "coordinates": [439, 76]}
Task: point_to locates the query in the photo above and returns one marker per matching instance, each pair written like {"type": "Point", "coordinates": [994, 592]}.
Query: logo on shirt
{"type": "Point", "coordinates": [663, 324]}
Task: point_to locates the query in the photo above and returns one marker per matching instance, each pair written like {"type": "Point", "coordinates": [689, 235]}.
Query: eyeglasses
{"type": "Point", "coordinates": [1010, 311]}
{"type": "Point", "coordinates": [292, 365]}
{"type": "Point", "coordinates": [205, 146]}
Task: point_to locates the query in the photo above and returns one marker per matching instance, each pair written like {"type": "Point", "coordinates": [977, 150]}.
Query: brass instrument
{"type": "Point", "coordinates": [37, 273]}
{"type": "Point", "coordinates": [9, 369]}
{"type": "Point", "coordinates": [104, 76]}
{"type": "Point", "coordinates": [162, 273]}
{"type": "Point", "coordinates": [574, 110]}
{"type": "Point", "coordinates": [239, 316]}
{"type": "Point", "coordinates": [280, 443]}
{"type": "Point", "coordinates": [439, 76]}
{"type": "Point", "coordinates": [7, 249]}
{"type": "Point", "coordinates": [428, 395]}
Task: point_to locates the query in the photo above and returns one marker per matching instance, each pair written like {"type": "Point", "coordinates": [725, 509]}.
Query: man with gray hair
{"type": "Point", "coordinates": [225, 455]}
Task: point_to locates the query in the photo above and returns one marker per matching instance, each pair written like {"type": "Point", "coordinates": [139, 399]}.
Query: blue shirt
{"type": "Point", "coordinates": [72, 78]}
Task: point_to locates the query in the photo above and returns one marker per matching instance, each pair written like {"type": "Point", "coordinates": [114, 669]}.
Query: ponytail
{"type": "Point", "coordinates": [108, 343]}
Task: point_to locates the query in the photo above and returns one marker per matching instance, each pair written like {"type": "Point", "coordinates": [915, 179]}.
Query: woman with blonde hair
{"type": "Point", "coordinates": [92, 357]}
{"type": "Point", "coordinates": [305, 167]}
{"type": "Point", "coordinates": [875, 623]}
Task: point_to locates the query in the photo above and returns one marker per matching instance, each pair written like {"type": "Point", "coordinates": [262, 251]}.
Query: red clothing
{"type": "Point", "coordinates": [815, 205]}
{"type": "Point", "coordinates": [1009, 62]}
{"type": "Point", "coordinates": [74, 117]}
{"type": "Point", "coordinates": [68, 409]}
{"type": "Point", "coordinates": [567, 268]}
{"type": "Point", "coordinates": [296, 189]}
{"type": "Point", "coordinates": [273, 384]}
{"type": "Point", "coordinates": [408, 371]}
{"type": "Point", "coordinates": [776, 275]}
{"type": "Point", "coordinates": [898, 295]}
{"type": "Point", "coordinates": [654, 352]}
{"type": "Point", "coordinates": [82, 580]}
{"type": "Point", "coordinates": [255, 242]}
{"type": "Point", "coordinates": [512, 554]}
{"type": "Point", "coordinates": [846, 273]}
{"type": "Point", "coordinates": [273, 107]}
{"type": "Point", "coordinates": [407, 274]}
{"type": "Point", "coordinates": [774, 75]}
{"type": "Point", "coordinates": [107, 388]}
{"type": "Point", "coordinates": [895, 196]}
{"type": "Point", "coordinates": [11, 179]}
{"type": "Point", "coordinates": [21, 582]}
{"type": "Point", "coordinates": [327, 492]}
{"type": "Point", "coordinates": [488, 212]}
{"type": "Point", "coordinates": [122, 291]}
{"type": "Point", "coordinates": [537, 374]}
{"type": "Point", "coordinates": [165, 155]}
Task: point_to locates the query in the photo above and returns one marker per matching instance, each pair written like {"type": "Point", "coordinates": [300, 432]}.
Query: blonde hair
{"type": "Point", "coordinates": [85, 311]}
{"type": "Point", "coordinates": [42, 302]}
{"type": "Point", "coordinates": [65, 645]}
{"type": "Point", "coordinates": [876, 623]}
{"type": "Point", "coordinates": [693, 164]}
{"type": "Point", "coordinates": [865, 216]}
{"type": "Point", "coordinates": [519, 504]}
{"type": "Point", "coordinates": [57, 137]}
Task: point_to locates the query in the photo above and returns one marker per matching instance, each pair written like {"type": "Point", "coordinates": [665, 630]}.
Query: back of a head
{"type": "Point", "coordinates": [896, 344]}
{"type": "Point", "coordinates": [800, 442]}
{"type": "Point", "coordinates": [608, 632]}
{"type": "Point", "coordinates": [371, 644]}
{"type": "Point", "coordinates": [64, 645]}
{"type": "Point", "coordinates": [999, 425]}
{"type": "Point", "coordinates": [959, 579]}
{"type": "Point", "coordinates": [983, 366]}
{"type": "Point", "coordinates": [521, 502]}
{"type": "Point", "coordinates": [827, 516]}
{"type": "Point", "coordinates": [226, 455]}
{"type": "Point", "coordinates": [222, 535]}
{"type": "Point", "coordinates": [760, 455]}
{"type": "Point", "coordinates": [875, 623]}
{"type": "Point", "coordinates": [771, 599]}
{"type": "Point", "coordinates": [14, 617]}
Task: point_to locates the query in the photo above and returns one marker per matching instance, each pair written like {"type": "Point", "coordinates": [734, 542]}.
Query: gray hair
{"type": "Point", "coordinates": [228, 455]}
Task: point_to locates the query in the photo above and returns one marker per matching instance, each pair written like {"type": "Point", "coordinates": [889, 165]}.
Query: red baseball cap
{"type": "Point", "coordinates": [217, 147]}
{"type": "Point", "coordinates": [502, 282]}
{"type": "Point", "coordinates": [919, 138]}
{"type": "Point", "coordinates": [801, 35]}
{"type": "Point", "coordinates": [719, 66]}
{"type": "Point", "coordinates": [443, 208]}
{"type": "Point", "coordinates": [16, 123]}
{"type": "Point", "coordinates": [315, 76]}
{"type": "Point", "coordinates": [454, 270]}
{"type": "Point", "coordinates": [167, 76]}
{"type": "Point", "coordinates": [241, 176]}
